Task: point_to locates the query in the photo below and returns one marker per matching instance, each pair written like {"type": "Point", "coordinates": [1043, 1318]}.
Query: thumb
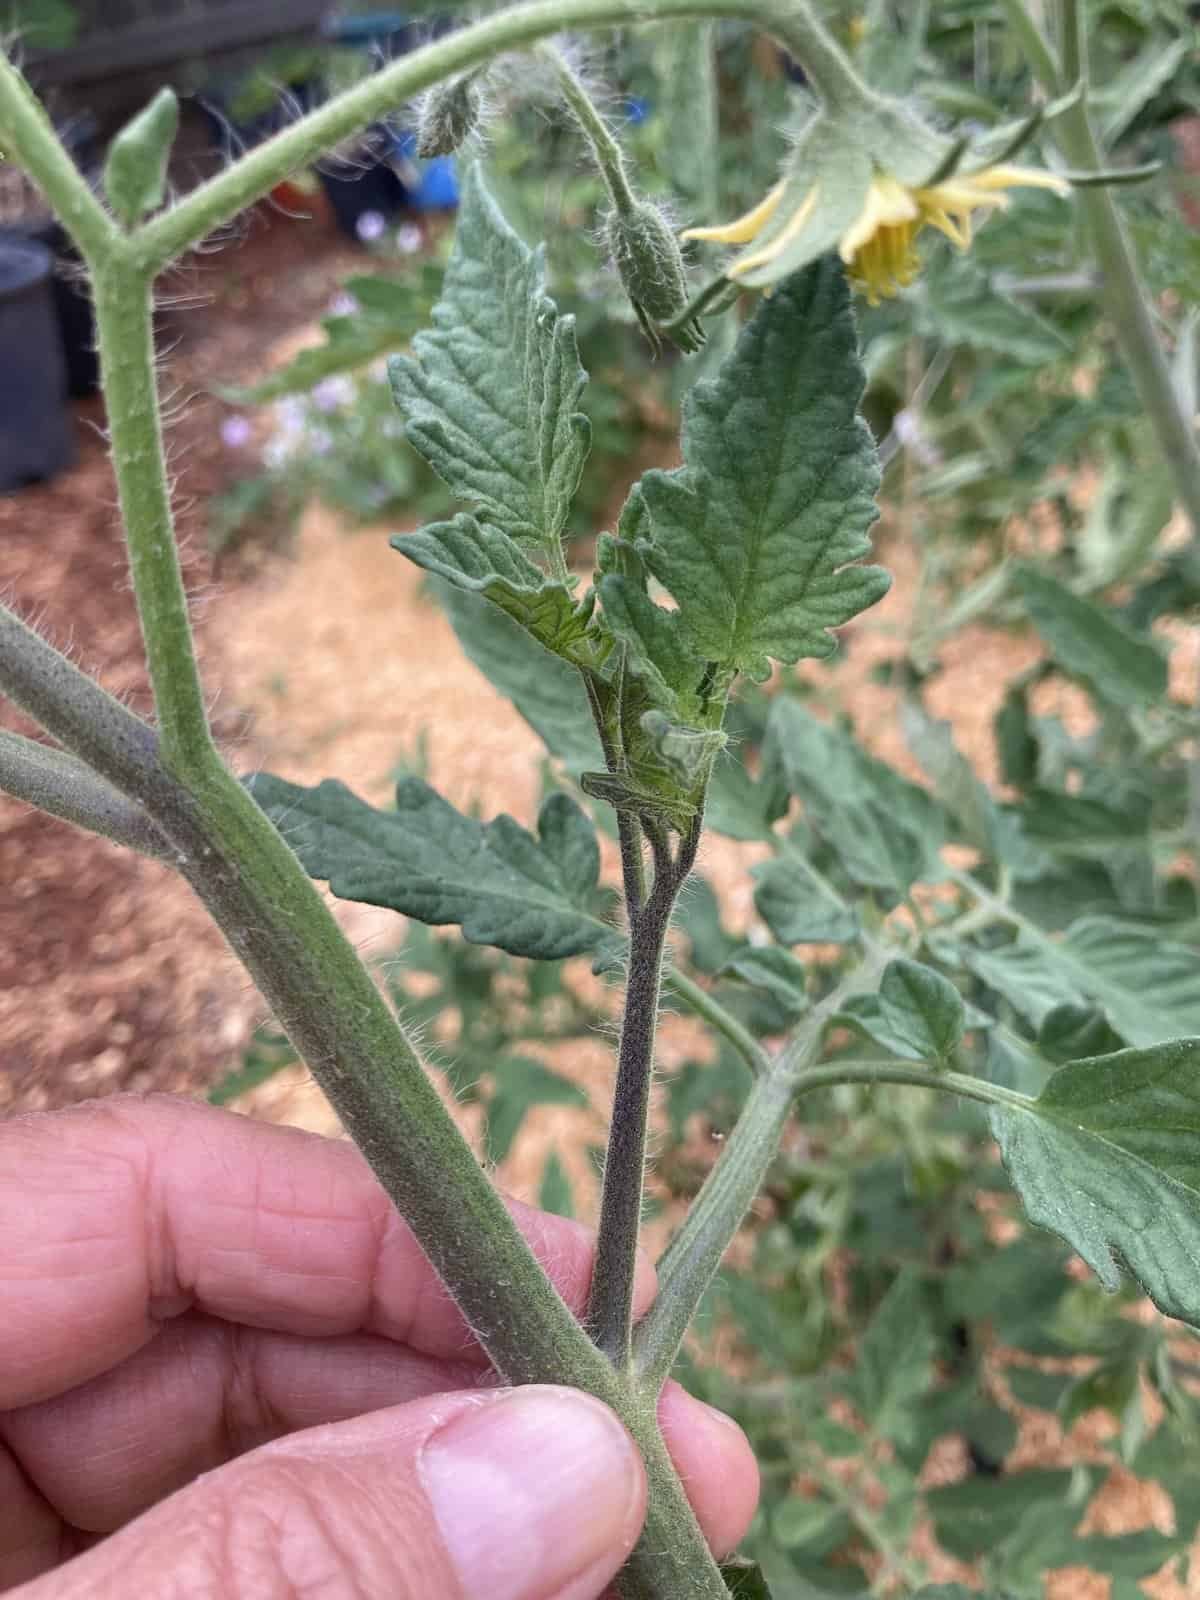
{"type": "Point", "coordinates": [535, 1493]}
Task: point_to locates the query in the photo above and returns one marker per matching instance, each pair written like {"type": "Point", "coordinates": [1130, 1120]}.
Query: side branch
{"type": "Point", "coordinates": [218, 201]}
{"type": "Point", "coordinates": [76, 711]}
{"type": "Point", "coordinates": [66, 787]}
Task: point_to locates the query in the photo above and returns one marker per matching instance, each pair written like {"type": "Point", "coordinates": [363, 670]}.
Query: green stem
{"type": "Point", "coordinates": [221, 199]}
{"type": "Point", "coordinates": [76, 711]}
{"type": "Point", "coordinates": [695, 1252]}
{"type": "Point", "coordinates": [912, 1075]}
{"type": "Point", "coordinates": [610, 1305]}
{"type": "Point", "coordinates": [27, 134]}
{"type": "Point", "coordinates": [1034, 44]}
{"type": "Point", "coordinates": [1125, 301]}
{"type": "Point", "coordinates": [123, 322]}
{"type": "Point", "coordinates": [605, 149]}
{"type": "Point", "coordinates": [690, 1261]}
{"type": "Point", "coordinates": [706, 1006]}
{"type": "Point", "coordinates": [66, 787]}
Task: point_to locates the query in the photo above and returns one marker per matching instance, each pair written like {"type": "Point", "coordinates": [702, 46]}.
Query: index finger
{"type": "Point", "coordinates": [120, 1214]}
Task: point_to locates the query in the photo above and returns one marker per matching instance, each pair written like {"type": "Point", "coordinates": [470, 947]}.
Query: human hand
{"type": "Point", "coordinates": [183, 1290]}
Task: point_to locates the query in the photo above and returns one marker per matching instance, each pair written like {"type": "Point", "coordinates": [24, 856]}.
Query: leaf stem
{"type": "Point", "coordinates": [65, 787]}
{"type": "Point", "coordinates": [695, 1252]}
{"type": "Point", "coordinates": [609, 157]}
{"type": "Point", "coordinates": [706, 1005]}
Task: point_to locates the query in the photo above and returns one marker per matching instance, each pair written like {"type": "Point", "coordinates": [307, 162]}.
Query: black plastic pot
{"type": "Point", "coordinates": [72, 303]}
{"type": "Point", "coordinates": [36, 434]}
{"type": "Point", "coordinates": [366, 184]}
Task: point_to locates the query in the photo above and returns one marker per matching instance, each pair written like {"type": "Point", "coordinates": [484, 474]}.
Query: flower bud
{"type": "Point", "coordinates": [648, 259]}
{"type": "Point", "coordinates": [450, 113]}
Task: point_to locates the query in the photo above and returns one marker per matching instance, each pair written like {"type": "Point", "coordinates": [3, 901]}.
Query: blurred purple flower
{"type": "Point", "coordinates": [332, 393]}
{"type": "Point", "coordinates": [409, 238]}
{"type": "Point", "coordinates": [370, 226]}
{"type": "Point", "coordinates": [343, 304]}
{"type": "Point", "coordinates": [320, 442]}
{"type": "Point", "coordinates": [236, 432]}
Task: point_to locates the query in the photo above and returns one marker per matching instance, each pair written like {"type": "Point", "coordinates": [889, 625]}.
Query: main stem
{"type": "Point", "coordinates": [610, 1306]}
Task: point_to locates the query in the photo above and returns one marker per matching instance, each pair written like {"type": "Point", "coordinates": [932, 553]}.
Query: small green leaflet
{"type": "Point", "coordinates": [797, 907]}
{"type": "Point", "coordinates": [1087, 641]}
{"type": "Point", "coordinates": [886, 831]}
{"type": "Point", "coordinates": [895, 1360]}
{"type": "Point", "coordinates": [490, 393]}
{"type": "Point", "coordinates": [757, 535]}
{"type": "Point", "coordinates": [530, 896]}
{"type": "Point", "coordinates": [777, 971]}
{"type": "Point", "coordinates": [482, 559]}
{"type": "Point", "coordinates": [746, 1582]}
{"type": "Point", "coordinates": [1108, 1157]}
{"type": "Point", "coordinates": [920, 1010]}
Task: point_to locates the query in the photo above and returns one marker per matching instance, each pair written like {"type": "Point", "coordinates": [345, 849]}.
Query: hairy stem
{"type": "Point", "coordinates": [76, 711]}
{"type": "Point", "coordinates": [66, 787]}
{"type": "Point", "coordinates": [123, 322]}
{"type": "Point", "coordinates": [605, 149]}
{"type": "Point", "coordinates": [610, 1307]}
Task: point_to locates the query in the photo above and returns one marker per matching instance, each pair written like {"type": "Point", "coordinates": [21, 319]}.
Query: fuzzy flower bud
{"type": "Point", "coordinates": [648, 259]}
{"type": "Point", "coordinates": [450, 113]}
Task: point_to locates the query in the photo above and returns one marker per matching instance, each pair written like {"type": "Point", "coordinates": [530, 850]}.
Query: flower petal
{"type": "Point", "coordinates": [745, 228]}
{"type": "Point", "coordinates": [1008, 177]}
{"type": "Point", "coordinates": [795, 225]}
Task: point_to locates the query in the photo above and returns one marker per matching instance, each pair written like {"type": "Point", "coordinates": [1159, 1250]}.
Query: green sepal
{"type": "Point", "coordinates": [476, 557]}
{"type": "Point", "coordinates": [135, 173]}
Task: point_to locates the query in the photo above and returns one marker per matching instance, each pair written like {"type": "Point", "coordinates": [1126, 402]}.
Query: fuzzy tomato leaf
{"type": "Point", "coordinates": [530, 896]}
{"type": "Point", "coordinates": [920, 1010]}
{"type": "Point", "coordinates": [1108, 1157]}
{"type": "Point", "coordinates": [758, 535]}
{"type": "Point", "coordinates": [1086, 640]}
{"type": "Point", "coordinates": [475, 557]}
{"type": "Point", "coordinates": [490, 394]}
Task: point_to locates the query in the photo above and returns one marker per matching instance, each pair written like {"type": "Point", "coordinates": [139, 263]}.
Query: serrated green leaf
{"type": "Point", "coordinates": [921, 1010]}
{"type": "Point", "coordinates": [655, 642]}
{"type": "Point", "coordinates": [1108, 1157]}
{"type": "Point", "coordinates": [775, 970]}
{"type": "Point", "coordinates": [135, 171]}
{"type": "Point", "coordinates": [530, 896]}
{"type": "Point", "coordinates": [490, 393]}
{"type": "Point", "coordinates": [757, 535]}
{"type": "Point", "coordinates": [547, 691]}
{"type": "Point", "coordinates": [1138, 81]}
{"type": "Point", "coordinates": [886, 831]}
{"type": "Point", "coordinates": [485, 561]}
{"type": "Point", "coordinates": [797, 908]}
{"type": "Point", "coordinates": [1087, 641]}
{"type": "Point", "coordinates": [1146, 984]}
{"type": "Point", "coordinates": [521, 1083]}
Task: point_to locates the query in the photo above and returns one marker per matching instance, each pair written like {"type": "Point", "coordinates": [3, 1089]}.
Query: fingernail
{"type": "Point", "coordinates": [531, 1490]}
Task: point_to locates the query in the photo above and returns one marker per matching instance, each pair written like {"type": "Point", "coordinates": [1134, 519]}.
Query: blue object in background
{"type": "Point", "coordinates": [637, 110]}
{"type": "Point", "coordinates": [431, 185]}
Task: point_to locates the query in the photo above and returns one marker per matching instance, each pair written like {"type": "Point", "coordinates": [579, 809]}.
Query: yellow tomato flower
{"type": "Point", "coordinates": [873, 225]}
